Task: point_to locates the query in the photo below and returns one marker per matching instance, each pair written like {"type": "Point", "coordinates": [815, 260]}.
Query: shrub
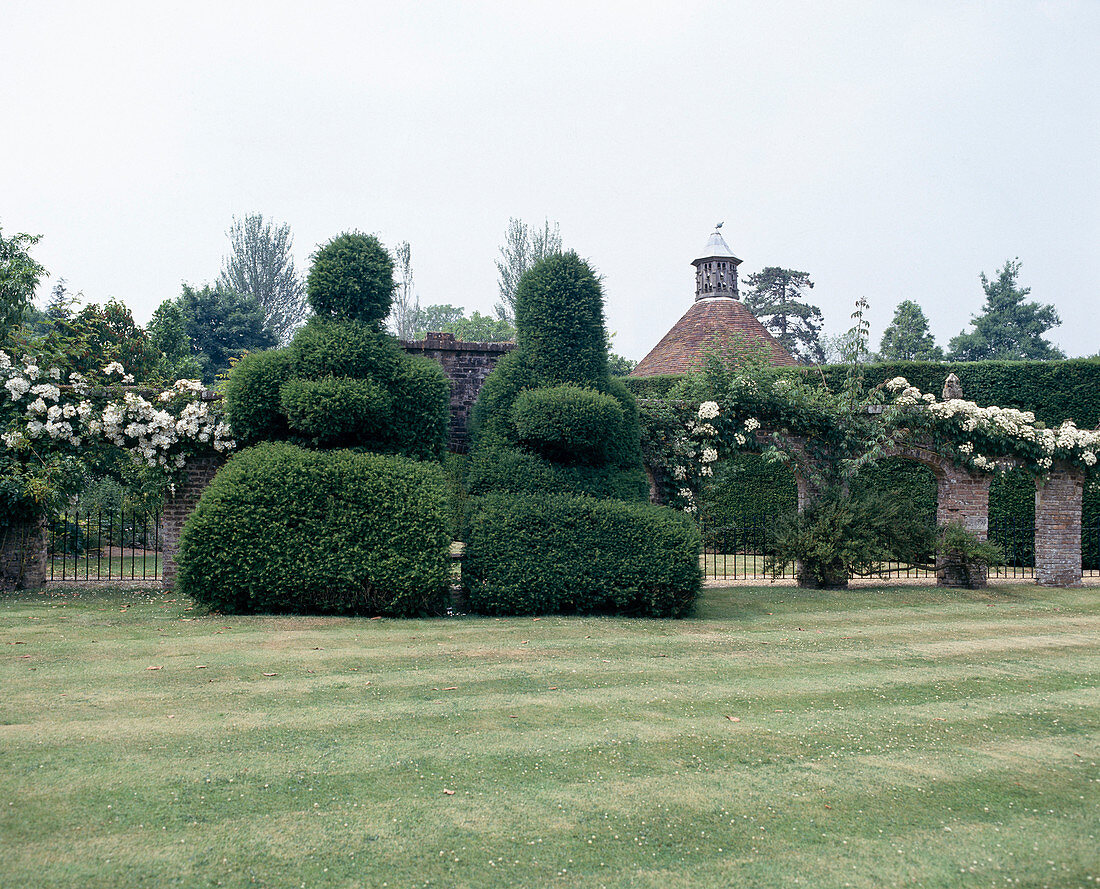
{"type": "Point", "coordinates": [559, 321]}
{"type": "Point", "coordinates": [567, 423]}
{"type": "Point", "coordinates": [508, 470]}
{"type": "Point", "coordinates": [421, 409]}
{"type": "Point", "coordinates": [326, 347]}
{"type": "Point", "coordinates": [351, 278]}
{"type": "Point", "coordinates": [252, 396]}
{"type": "Point", "coordinates": [538, 555]}
{"type": "Point", "coordinates": [491, 417]}
{"type": "Point", "coordinates": [838, 535]}
{"type": "Point", "coordinates": [334, 411]}
{"type": "Point", "coordinates": [283, 529]}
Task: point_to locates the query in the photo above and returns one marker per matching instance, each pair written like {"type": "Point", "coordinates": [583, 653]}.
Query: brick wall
{"type": "Point", "coordinates": [466, 365]}
{"type": "Point", "coordinates": [1058, 527]}
{"type": "Point", "coordinates": [23, 556]}
{"type": "Point", "coordinates": [198, 473]}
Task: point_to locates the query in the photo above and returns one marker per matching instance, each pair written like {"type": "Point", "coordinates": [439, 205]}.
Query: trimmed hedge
{"type": "Point", "coordinates": [287, 530]}
{"type": "Point", "coordinates": [568, 424]}
{"type": "Point", "coordinates": [336, 411]}
{"type": "Point", "coordinates": [252, 398]}
{"type": "Point", "coordinates": [515, 472]}
{"type": "Point", "coordinates": [559, 321]}
{"type": "Point", "coordinates": [562, 554]}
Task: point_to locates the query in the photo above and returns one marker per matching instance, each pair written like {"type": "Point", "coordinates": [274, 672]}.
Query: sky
{"type": "Point", "coordinates": [892, 150]}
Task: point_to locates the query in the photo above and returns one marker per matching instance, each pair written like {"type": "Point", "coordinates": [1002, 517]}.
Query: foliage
{"type": "Point", "coordinates": [261, 265]}
{"type": "Point", "coordinates": [907, 337]}
{"type": "Point", "coordinates": [838, 535]}
{"type": "Point", "coordinates": [523, 249]}
{"type": "Point", "coordinates": [252, 396]}
{"type": "Point", "coordinates": [351, 279]}
{"type": "Point", "coordinates": [19, 274]}
{"type": "Point", "coordinates": [168, 335]}
{"type": "Point", "coordinates": [500, 468]}
{"type": "Point", "coordinates": [559, 321]}
{"type": "Point", "coordinates": [1008, 328]}
{"type": "Point", "coordinates": [568, 424]}
{"type": "Point", "coordinates": [98, 335]}
{"type": "Point", "coordinates": [61, 428]}
{"type": "Point", "coordinates": [221, 325]}
{"type": "Point", "coordinates": [561, 554]}
{"type": "Point", "coordinates": [957, 542]}
{"type": "Point", "coordinates": [342, 384]}
{"type": "Point", "coordinates": [618, 366]}
{"type": "Point", "coordinates": [282, 529]}
{"type": "Point", "coordinates": [477, 328]}
{"type": "Point", "coordinates": [776, 298]}
{"type": "Point", "coordinates": [437, 318]}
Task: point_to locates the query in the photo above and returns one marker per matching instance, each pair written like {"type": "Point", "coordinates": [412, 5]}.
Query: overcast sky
{"type": "Point", "coordinates": [892, 150]}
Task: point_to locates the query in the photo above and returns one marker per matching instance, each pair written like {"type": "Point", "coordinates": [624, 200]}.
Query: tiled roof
{"type": "Point", "coordinates": [709, 324]}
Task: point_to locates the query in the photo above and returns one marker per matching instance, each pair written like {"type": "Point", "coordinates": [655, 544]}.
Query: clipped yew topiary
{"type": "Point", "coordinates": [283, 529]}
{"type": "Point", "coordinates": [536, 555]}
{"type": "Point", "coordinates": [351, 278]}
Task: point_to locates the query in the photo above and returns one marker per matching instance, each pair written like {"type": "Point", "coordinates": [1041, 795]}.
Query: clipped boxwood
{"type": "Point", "coordinates": [287, 530]}
{"type": "Point", "coordinates": [569, 424]}
{"type": "Point", "coordinates": [510, 471]}
{"type": "Point", "coordinates": [564, 554]}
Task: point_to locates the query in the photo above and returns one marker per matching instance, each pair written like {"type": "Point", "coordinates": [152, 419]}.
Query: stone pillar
{"type": "Point", "coordinates": [23, 555]}
{"type": "Point", "coordinates": [197, 474]}
{"type": "Point", "coordinates": [1058, 527]}
{"type": "Point", "coordinates": [964, 499]}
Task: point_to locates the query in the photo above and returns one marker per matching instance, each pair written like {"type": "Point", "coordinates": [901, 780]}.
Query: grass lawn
{"type": "Point", "coordinates": [896, 736]}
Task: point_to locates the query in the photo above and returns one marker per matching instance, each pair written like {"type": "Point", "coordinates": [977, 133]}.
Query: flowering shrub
{"type": "Point", "coordinates": [51, 419]}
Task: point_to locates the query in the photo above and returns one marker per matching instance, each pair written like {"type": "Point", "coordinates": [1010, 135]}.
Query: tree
{"type": "Point", "coordinates": [98, 335]}
{"type": "Point", "coordinates": [477, 328]}
{"type": "Point", "coordinates": [907, 338]}
{"type": "Point", "coordinates": [168, 333]}
{"type": "Point", "coordinates": [405, 311]}
{"type": "Point", "coordinates": [222, 324]}
{"type": "Point", "coordinates": [775, 298]}
{"type": "Point", "coordinates": [1009, 329]}
{"type": "Point", "coordinates": [260, 264]}
{"type": "Point", "coordinates": [19, 275]}
{"type": "Point", "coordinates": [522, 248]}
{"type": "Point", "coordinates": [437, 318]}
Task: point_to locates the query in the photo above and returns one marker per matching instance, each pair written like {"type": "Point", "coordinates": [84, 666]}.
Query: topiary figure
{"type": "Point", "coordinates": [343, 382]}
{"type": "Point", "coordinates": [551, 422]}
{"type": "Point", "coordinates": [552, 402]}
{"type": "Point", "coordinates": [351, 279]}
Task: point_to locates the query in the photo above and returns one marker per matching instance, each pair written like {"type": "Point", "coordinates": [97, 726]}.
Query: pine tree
{"type": "Point", "coordinates": [907, 338]}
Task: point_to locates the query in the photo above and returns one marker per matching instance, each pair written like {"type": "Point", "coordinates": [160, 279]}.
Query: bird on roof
{"type": "Point", "coordinates": [720, 224]}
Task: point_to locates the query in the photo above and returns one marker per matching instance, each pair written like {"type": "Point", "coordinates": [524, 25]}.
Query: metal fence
{"type": "Point", "coordinates": [101, 544]}
{"type": "Point", "coordinates": [739, 550]}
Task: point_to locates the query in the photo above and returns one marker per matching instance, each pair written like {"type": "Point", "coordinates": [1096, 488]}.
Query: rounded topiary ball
{"type": "Point", "coordinates": [351, 278]}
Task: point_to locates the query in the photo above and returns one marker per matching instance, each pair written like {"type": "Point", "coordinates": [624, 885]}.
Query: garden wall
{"type": "Point", "coordinates": [466, 365]}
{"type": "Point", "coordinates": [23, 555]}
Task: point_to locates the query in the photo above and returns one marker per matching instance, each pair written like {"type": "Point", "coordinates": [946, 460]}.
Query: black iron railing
{"type": "Point", "coordinates": [104, 545]}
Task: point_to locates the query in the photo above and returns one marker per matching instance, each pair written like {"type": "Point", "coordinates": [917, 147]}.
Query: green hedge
{"type": "Point", "coordinates": [351, 277]}
{"type": "Point", "coordinates": [568, 424]}
{"type": "Point", "coordinates": [287, 530]}
{"type": "Point", "coordinates": [1053, 390]}
{"type": "Point", "coordinates": [515, 472]}
{"type": "Point", "coordinates": [337, 411]}
{"type": "Point", "coordinates": [252, 399]}
{"type": "Point", "coordinates": [562, 554]}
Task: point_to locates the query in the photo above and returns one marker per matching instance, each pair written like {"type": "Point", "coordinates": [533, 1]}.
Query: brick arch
{"type": "Point", "coordinates": [961, 496]}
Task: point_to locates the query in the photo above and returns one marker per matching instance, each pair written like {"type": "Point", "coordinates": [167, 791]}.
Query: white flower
{"type": "Point", "coordinates": [38, 406]}
{"type": "Point", "coordinates": [709, 455]}
{"type": "Point", "coordinates": [114, 368]}
{"type": "Point", "coordinates": [5, 359]}
{"type": "Point", "coordinates": [679, 473]}
{"type": "Point", "coordinates": [686, 494]}
{"type": "Point", "coordinates": [14, 440]}
{"type": "Point", "coordinates": [706, 471]}
{"type": "Point", "coordinates": [47, 390]}
{"type": "Point", "coordinates": [966, 448]}
{"type": "Point", "coordinates": [740, 439]}
{"type": "Point", "coordinates": [30, 369]}
{"type": "Point", "coordinates": [1089, 458]}
{"type": "Point", "coordinates": [752, 424]}
{"type": "Point", "coordinates": [55, 373]}
{"type": "Point", "coordinates": [18, 387]}
{"type": "Point", "coordinates": [708, 410]}
{"type": "Point", "coordinates": [897, 384]}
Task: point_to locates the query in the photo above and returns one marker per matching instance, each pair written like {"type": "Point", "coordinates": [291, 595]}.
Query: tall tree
{"type": "Point", "coordinates": [222, 324]}
{"type": "Point", "coordinates": [477, 328]}
{"type": "Point", "coordinates": [168, 333]}
{"type": "Point", "coordinates": [406, 303]}
{"type": "Point", "coordinates": [260, 264]}
{"type": "Point", "coordinates": [97, 335]}
{"type": "Point", "coordinates": [775, 298]}
{"type": "Point", "coordinates": [907, 338]}
{"type": "Point", "coordinates": [1008, 329]}
{"type": "Point", "coordinates": [523, 247]}
{"type": "Point", "coordinates": [19, 275]}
